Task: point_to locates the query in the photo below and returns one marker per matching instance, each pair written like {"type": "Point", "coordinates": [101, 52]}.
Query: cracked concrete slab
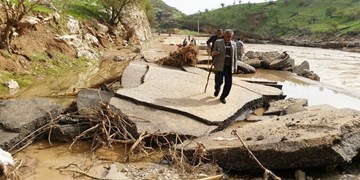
{"type": "Point", "coordinates": [154, 120]}
{"type": "Point", "coordinates": [133, 75]}
{"type": "Point", "coordinates": [320, 136]}
{"type": "Point", "coordinates": [182, 92]}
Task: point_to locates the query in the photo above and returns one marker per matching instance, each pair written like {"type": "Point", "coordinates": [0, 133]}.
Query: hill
{"type": "Point", "coordinates": [311, 19]}
{"type": "Point", "coordinates": [165, 14]}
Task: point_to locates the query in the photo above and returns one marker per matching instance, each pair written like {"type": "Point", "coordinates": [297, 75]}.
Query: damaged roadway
{"type": "Point", "coordinates": [172, 100]}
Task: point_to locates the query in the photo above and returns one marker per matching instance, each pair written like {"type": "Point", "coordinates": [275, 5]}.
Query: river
{"type": "Point", "coordinates": [338, 70]}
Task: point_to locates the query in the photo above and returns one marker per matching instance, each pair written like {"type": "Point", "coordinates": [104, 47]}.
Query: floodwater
{"type": "Point", "coordinates": [335, 67]}
{"type": "Point", "coordinates": [339, 73]}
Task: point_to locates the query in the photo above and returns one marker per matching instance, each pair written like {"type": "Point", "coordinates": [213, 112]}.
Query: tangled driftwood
{"type": "Point", "coordinates": [183, 56]}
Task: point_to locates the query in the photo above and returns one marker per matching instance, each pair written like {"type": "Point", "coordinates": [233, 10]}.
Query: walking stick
{"type": "Point", "coordinates": [208, 62]}
{"type": "Point", "coordinates": [207, 82]}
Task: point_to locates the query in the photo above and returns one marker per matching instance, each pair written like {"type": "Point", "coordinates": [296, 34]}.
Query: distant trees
{"type": "Point", "coordinates": [222, 5]}
{"type": "Point", "coordinates": [14, 11]}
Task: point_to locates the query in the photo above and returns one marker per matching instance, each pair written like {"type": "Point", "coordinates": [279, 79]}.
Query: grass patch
{"type": "Point", "coordinates": [22, 80]}
{"type": "Point", "coordinates": [5, 54]}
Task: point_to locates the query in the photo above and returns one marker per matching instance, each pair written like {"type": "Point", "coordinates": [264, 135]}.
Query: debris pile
{"type": "Point", "coordinates": [183, 56]}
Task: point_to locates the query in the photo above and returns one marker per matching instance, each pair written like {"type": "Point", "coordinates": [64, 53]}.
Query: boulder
{"type": "Point", "coordinates": [92, 98]}
{"type": "Point", "coordinates": [276, 107]}
{"type": "Point", "coordinates": [103, 29]}
{"type": "Point", "coordinates": [245, 68]}
{"type": "Point", "coordinates": [281, 64]}
{"type": "Point", "coordinates": [268, 58]}
{"type": "Point", "coordinates": [67, 133]}
{"type": "Point", "coordinates": [73, 26]}
{"type": "Point", "coordinates": [300, 69]}
{"type": "Point", "coordinates": [29, 21]}
{"type": "Point", "coordinates": [255, 62]}
{"type": "Point", "coordinates": [310, 75]}
{"type": "Point", "coordinates": [250, 54]}
{"type": "Point", "coordinates": [90, 39]}
{"type": "Point", "coordinates": [319, 136]}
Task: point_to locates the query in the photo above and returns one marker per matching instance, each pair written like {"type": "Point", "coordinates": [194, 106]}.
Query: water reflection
{"type": "Point", "coordinates": [319, 95]}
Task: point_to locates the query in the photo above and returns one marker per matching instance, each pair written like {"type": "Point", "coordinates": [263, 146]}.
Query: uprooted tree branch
{"type": "Point", "coordinates": [14, 11]}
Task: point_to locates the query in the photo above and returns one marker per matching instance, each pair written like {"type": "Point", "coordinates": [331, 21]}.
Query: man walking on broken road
{"type": "Point", "coordinates": [224, 54]}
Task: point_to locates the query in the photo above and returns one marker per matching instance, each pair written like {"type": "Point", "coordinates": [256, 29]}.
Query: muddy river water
{"type": "Point", "coordinates": [339, 73]}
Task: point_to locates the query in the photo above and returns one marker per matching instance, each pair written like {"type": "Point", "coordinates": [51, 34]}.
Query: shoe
{"type": "Point", "coordinates": [216, 93]}
{"type": "Point", "coordinates": [223, 101]}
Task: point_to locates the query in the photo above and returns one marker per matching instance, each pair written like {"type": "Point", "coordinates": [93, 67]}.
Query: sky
{"type": "Point", "coordinates": [193, 6]}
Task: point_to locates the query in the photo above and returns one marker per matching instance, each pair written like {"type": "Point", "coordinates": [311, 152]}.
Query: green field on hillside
{"type": "Point", "coordinates": [311, 18]}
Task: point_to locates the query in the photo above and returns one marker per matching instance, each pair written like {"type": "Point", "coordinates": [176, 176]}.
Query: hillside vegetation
{"type": "Point", "coordinates": [165, 15]}
{"type": "Point", "coordinates": [283, 18]}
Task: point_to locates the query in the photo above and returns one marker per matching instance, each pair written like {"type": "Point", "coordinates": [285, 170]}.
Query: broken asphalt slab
{"type": "Point", "coordinates": [19, 118]}
{"type": "Point", "coordinates": [145, 118]}
{"type": "Point", "coordinates": [182, 92]}
{"type": "Point", "coordinates": [320, 136]}
{"type": "Point", "coordinates": [159, 121]}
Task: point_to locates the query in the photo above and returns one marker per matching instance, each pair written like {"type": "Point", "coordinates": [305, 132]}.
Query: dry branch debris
{"type": "Point", "coordinates": [183, 56]}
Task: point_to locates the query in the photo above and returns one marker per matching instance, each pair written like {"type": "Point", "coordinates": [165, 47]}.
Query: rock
{"type": "Point", "coordinates": [261, 137]}
{"type": "Point", "coordinates": [294, 108]}
{"type": "Point", "coordinates": [12, 84]}
{"type": "Point", "coordinates": [67, 133]}
{"type": "Point", "coordinates": [255, 62]}
{"type": "Point", "coordinates": [333, 133]}
{"type": "Point", "coordinates": [56, 16]}
{"type": "Point", "coordinates": [282, 64]}
{"type": "Point", "coordinates": [73, 26]}
{"type": "Point", "coordinates": [310, 75]}
{"type": "Point", "coordinates": [29, 21]}
{"type": "Point", "coordinates": [250, 54]}
{"type": "Point", "coordinates": [299, 70]}
{"type": "Point", "coordinates": [268, 58]}
{"type": "Point", "coordinates": [102, 28]}
{"type": "Point", "coordinates": [91, 39]}
{"type": "Point", "coordinates": [88, 99]}
{"type": "Point", "coordinates": [300, 175]}
{"type": "Point", "coordinates": [245, 68]}
{"type": "Point", "coordinates": [120, 58]}
{"type": "Point", "coordinates": [276, 107]}
{"type": "Point", "coordinates": [136, 24]}
{"type": "Point", "coordinates": [82, 49]}
{"type": "Point", "coordinates": [114, 173]}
